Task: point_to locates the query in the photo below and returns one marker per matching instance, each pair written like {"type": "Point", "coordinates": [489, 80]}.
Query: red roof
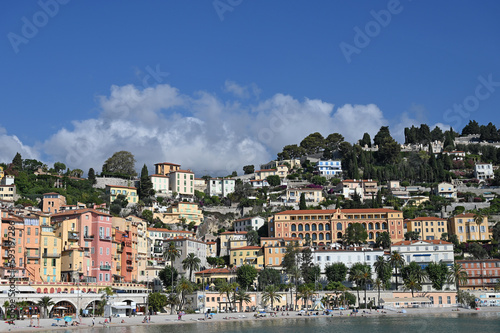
{"type": "Point", "coordinates": [247, 248]}
{"type": "Point", "coordinates": [434, 241]}
{"type": "Point", "coordinates": [427, 218]}
{"type": "Point", "coordinates": [79, 212]}
{"type": "Point", "coordinates": [167, 163]}
{"type": "Point", "coordinates": [132, 188]}
{"type": "Point", "coordinates": [216, 271]}
{"type": "Point", "coordinates": [233, 233]}
{"type": "Point", "coordinates": [156, 175]}
{"type": "Point", "coordinates": [168, 230]}
{"type": "Point", "coordinates": [265, 170]}
{"type": "Point", "coordinates": [465, 215]}
{"type": "Point", "coordinates": [332, 211]}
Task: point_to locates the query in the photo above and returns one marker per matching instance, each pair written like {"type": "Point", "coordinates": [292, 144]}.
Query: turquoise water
{"type": "Point", "coordinates": [470, 323]}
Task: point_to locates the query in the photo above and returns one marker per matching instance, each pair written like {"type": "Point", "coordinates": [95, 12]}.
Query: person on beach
{"type": "Point", "coordinates": [93, 321]}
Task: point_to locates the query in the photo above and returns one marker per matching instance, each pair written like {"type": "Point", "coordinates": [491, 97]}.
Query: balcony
{"type": "Point", "coordinates": [105, 267]}
{"type": "Point", "coordinates": [8, 244]}
{"type": "Point", "coordinates": [105, 238]}
{"type": "Point", "coordinates": [119, 248]}
{"type": "Point", "coordinates": [118, 267]}
{"type": "Point", "coordinates": [72, 236]}
{"type": "Point", "coordinates": [88, 237]}
{"type": "Point", "coordinates": [158, 249]}
{"type": "Point", "coordinates": [130, 268]}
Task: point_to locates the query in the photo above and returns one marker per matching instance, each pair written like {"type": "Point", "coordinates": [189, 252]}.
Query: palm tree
{"type": "Point", "coordinates": [356, 275]}
{"type": "Point", "coordinates": [305, 292]}
{"type": "Point", "coordinates": [379, 284]}
{"type": "Point", "coordinates": [457, 275]}
{"type": "Point", "coordinates": [271, 294]}
{"type": "Point", "coordinates": [172, 301]}
{"type": "Point", "coordinates": [412, 283]}
{"type": "Point", "coordinates": [171, 253]}
{"type": "Point", "coordinates": [479, 216]}
{"type": "Point", "coordinates": [397, 261]}
{"type": "Point", "coordinates": [242, 296]}
{"type": "Point", "coordinates": [366, 277]}
{"type": "Point", "coordinates": [184, 287]}
{"type": "Point", "coordinates": [191, 262]}
{"type": "Point", "coordinates": [44, 303]}
{"type": "Point", "coordinates": [227, 288]}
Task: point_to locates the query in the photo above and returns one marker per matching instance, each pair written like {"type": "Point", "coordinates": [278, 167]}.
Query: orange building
{"type": "Point", "coordinates": [166, 168]}
{"type": "Point", "coordinates": [275, 248]}
{"type": "Point", "coordinates": [53, 202]}
{"type": "Point", "coordinates": [328, 226]}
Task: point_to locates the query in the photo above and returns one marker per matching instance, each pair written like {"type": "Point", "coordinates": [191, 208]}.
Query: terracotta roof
{"type": "Point", "coordinates": [434, 241]}
{"type": "Point", "coordinates": [427, 218]}
{"type": "Point", "coordinates": [233, 233]}
{"type": "Point", "coordinates": [79, 212]}
{"type": "Point", "coordinates": [161, 176]}
{"type": "Point", "coordinates": [51, 193]}
{"type": "Point", "coordinates": [332, 211]}
{"type": "Point", "coordinates": [464, 215]}
{"type": "Point", "coordinates": [132, 188]}
{"type": "Point", "coordinates": [359, 181]}
{"type": "Point", "coordinates": [167, 163]}
{"type": "Point", "coordinates": [168, 230]}
{"type": "Point", "coordinates": [265, 170]}
{"type": "Point", "coordinates": [216, 271]}
{"type": "Point", "coordinates": [247, 248]}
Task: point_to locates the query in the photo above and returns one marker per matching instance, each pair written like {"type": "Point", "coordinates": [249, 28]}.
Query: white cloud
{"type": "Point", "coordinates": [10, 145]}
{"type": "Point", "coordinates": [200, 131]}
{"type": "Point", "coordinates": [240, 91]}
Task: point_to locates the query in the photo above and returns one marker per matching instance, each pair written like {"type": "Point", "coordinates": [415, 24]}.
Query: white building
{"type": "Point", "coordinates": [254, 222]}
{"type": "Point", "coordinates": [187, 245]}
{"type": "Point", "coordinates": [324, 256]}
{"type": "Point", "coordinates": [259, 183]}
{"type": "Point", "coordinates": [329, 168]}
{"type": "Point", "coordinates": [483, 171]}
{"type": "Point", "coordinates": [161, 184]}
{"type": "Point", "coordinates": [220, 186]}
{"type": "Point", "coordinates": [447, 190]}
{"type": "Point", "coordinates": [423, 252]}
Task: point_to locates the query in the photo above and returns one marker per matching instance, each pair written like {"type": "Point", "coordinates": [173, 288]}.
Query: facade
{"type": "Point", "coordinates": [161, 184]}
{"type": "Point", "coordinates": [366, 189]}
{"type": "Point", "coordinates": [220, 186]}
{"type": "Point", "coordinates": [50, 246]}
{"type": "Point", "coordinates": [483, 274]}
{"type": "Point", "coordinates": [456, 154]}
{"type": "Point", "coordinates": [52, 202]}
{"type": "Point", "coordinates": [323, 256]}
{"type": "Point", "coordinates": [210, 276]}
{"type": "Point", "coordinates": [182, 183]}
{"type": "Point", "coordinates": [313, 196]}
{"type": "Point", "coordinates": [293, 163]}
{"type": "Point", "coordinates": [483, 171]}
{"type": "Point", "coordinates": [242, 224]}
{"type": "Point", "coordinates": [182, 211]}
{"type": "Point", "coordinates": [264, 173]}
{"type": "Point", "coordinates": [327, 226]}
{"type": "Point", "coordinates": [329, 168]}
{"type": "Point", "coordinates": [446, 190]}
{"type": "Point", "coordinates": [238, 239]}
{"type": "Point", "coordinates": [166, 168]}
{"type": "Point", "coordinates": [466, 228]}
{"type": "Point", "coordinates": [424, 252]}
{"type": "Point", "coordinates": [113, 191]}
{"type": "Point", "coordinates": [429, 228]}
{"type": "Point", "coordinates": [187, 245]}
{"type": "Point", "coordinates": [274, 249]}
{"type": "Point", "coordinates": [200, 184]}
{"type": "Point", "coordinates": [247, 255]}
{"type": "Point", "coordinates": [259, 183]}
{"type": "Point", "coordinates": [8, 192]}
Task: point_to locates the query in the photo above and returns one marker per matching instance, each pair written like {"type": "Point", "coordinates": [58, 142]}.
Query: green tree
{"type": "Point", "coordinates": [157, 301]}
{"type": "Point", "coordinates": [397, 261]}
{"type": "Point", "coordinates": [383, 240]}
{"type": "Point", "coordinates": [291, 265]}
{"type": "Point", "coordinates": [252, 236]}
{"type": "Point", "coordinates": [192, 262]}
{"type": "Point", "coordinates": [172, 301]}
{"type": "Point", "coordinates": [228, 288]}
{"type": "Point", "coordinates": [248, 169]}
{"type": "Point", "coordinates": [59, 167]}
{"type": "Point", "coordinates": [302, 202]}
{"type": "Point", "coordinates": [336, 272]}
{"type": "Point", "coordinates": [145, 186]}
{"type": "Point", "coordinates": [168, 274]}
{"type": "Point", "coordinates": [271, 294]}
{"type": "Point", "coordinates": [413, 276]}
{"type": "Point", "coordinates": [384, 270]}
{"type": "Point", "coordinates": [273, 180]}
{"type": "Point", "coordinates": [356, 275]}
{"type": "Point", "coordinates": [457, 275]}
{"type": "Point", "coordinates": [122, 162]}
{"type": "Point", "coordinates": [355, 234]}
{"type": "Point", "coordinates": [17, 162]}
{"type": "Point", "coordinates": [245, 275]}
{"type": "Point", "coordinates": [242, 296]}
{"type": "Point", "coordinates": [91, 176]}
{"type": "Point", "coordinates": [438, 274]}
{"type": "Point", "coordinates": [378, 284]}
{"type": "Point", "coordinates": [305, 293]}
{"type": "Point", "coordinates": [366, 140]}
{"type": "Point", "coordinates": [45, 302]}
{"type": "Point", "coordinates": [269, 276]}
{"type": "Point", "coordinates": [412, 235]}
{"type": "Point", "coordinates": [479, 217]}
{"type": "Point", "coordinates": [313, 143]}
{"type": "Point", "coordinates": [171, 253]}
{"type": "Point", "coordinates": [184, 287]}
{"type": "Point", "coordinates": [477, 251]}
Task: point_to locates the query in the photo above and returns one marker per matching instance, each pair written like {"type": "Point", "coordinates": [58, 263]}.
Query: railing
{"type": "Point", "coordinates": [105, 267]}
{"type": "Point", "coordinates": [72, 237]}
{"type": "Point", "coordinates": [106, 238]}
{"type": "Point", "coordinates": [88, 237]}
{"type": "Point", "coordinates": [130, 268]}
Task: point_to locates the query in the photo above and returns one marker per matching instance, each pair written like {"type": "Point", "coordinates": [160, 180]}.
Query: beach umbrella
{"type": "Point", "coordinates": [68, 319]}
{"type": "Point", "coordinates": [57, 319]}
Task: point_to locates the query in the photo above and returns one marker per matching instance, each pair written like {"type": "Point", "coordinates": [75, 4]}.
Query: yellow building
{"type": "Point", "coordinates": [181, 210]}
{"type": "Point", "coordinates": [313, 196]}
{"type": "Point", "coordinates": [274, 249]}
{"type": "Point", "coordinates": [112, 191]}
{"type": "Point", "coordinates": [50, 247]}
{"type": "Point", "coordinates": [230, 239]}
{"type": "Point", "coordinates": [429, 227]}
{"type": "Point", "coordinates": [247, 255]}
{"type": "Point", "coordinates": [466, 228]}
{"type": "Point", "coordinates": [210, 276]}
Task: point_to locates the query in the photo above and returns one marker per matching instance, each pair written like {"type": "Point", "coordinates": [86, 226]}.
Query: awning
{"type": "Point", "coordinates": [122, 307]}
{"type": "Point", "coordinates": [408, 300]}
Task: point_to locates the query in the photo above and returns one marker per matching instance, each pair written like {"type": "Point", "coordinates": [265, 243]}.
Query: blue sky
{"type": "Point", "coordinates": [215, 85]}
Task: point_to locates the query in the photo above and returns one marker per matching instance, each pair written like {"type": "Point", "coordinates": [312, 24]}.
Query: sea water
{"type": "Point", "coordinates": [449, 322]}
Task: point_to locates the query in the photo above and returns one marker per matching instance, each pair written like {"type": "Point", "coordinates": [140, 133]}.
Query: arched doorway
{"type": "Point", "coordinates": [62, 308]}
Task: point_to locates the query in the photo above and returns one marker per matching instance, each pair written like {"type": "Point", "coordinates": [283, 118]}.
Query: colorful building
{"type": "Point", "coordinates": [113, 191]}
{"type": "Point", "coordinates": [466, 228]}
{"type": "Point", "coordinates": [247, 255]}
{"type": "Point", "coordinates": [482, 274]}
{"type": "Point", "coordinates": [428, 227]}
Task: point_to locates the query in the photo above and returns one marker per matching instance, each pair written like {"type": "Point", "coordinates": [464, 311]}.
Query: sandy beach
{"type": "Point", "coordinates": [163, 319]}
